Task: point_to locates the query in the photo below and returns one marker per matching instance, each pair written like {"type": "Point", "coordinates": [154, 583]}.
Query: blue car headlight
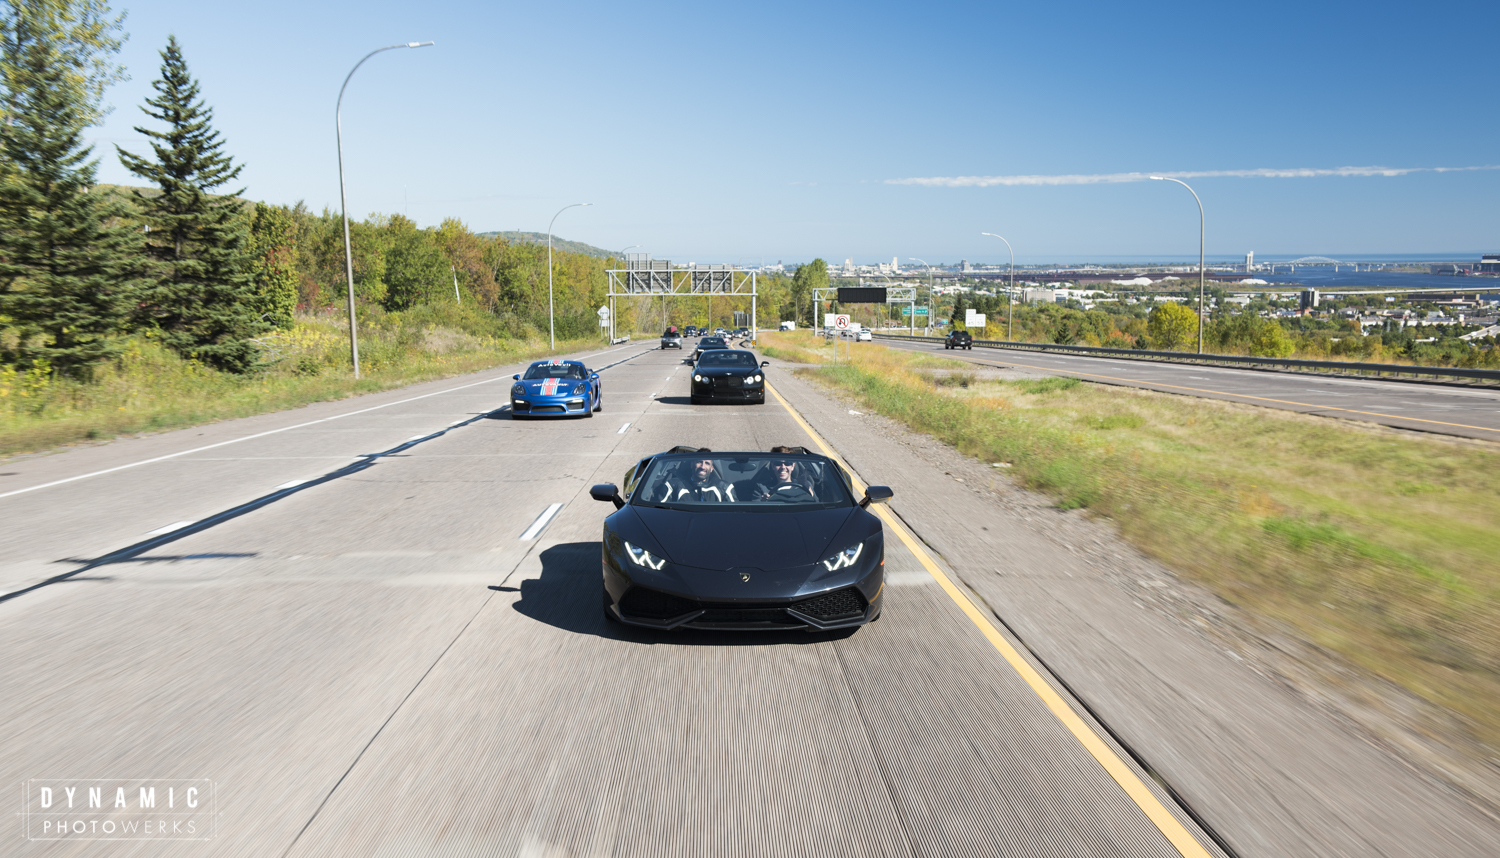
{"type": "Point", "coordinates": [844, 558]}
{"type": "Point", "coordinates": [518, 390]}
{"type": "Point", "coordinates": [642, 557]}
{"type": "Point", "coordinates": [580, 389]}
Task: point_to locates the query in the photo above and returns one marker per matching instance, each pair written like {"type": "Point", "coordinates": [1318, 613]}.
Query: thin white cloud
{"type": "Point", "coordinates": [1118, 178]}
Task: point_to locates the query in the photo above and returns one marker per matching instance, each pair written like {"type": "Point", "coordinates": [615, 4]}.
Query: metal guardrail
{"type": "Point", "coordinates": [1322, 367]}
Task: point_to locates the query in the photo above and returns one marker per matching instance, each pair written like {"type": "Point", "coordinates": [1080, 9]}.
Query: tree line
{"type": "Point", "coordinates": [186, 259]}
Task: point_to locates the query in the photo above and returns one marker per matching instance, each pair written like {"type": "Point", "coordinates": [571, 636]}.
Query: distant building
{"type": "Point", "coordinates": [1249, 262]}
{"type": "Point", "coordinates": [965, 267]}
{"type": "Point", "coordinates": [1490, 264]}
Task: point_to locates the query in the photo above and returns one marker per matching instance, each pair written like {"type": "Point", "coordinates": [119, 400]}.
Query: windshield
{"type": "Point", "coordinates": [725, 357]}
{"type": "Point", "coordinates": [555, 370]}
{"type": "Point", "coordinates": [742, 482]}
{"type": "Point", "coordinates": [711, 341]}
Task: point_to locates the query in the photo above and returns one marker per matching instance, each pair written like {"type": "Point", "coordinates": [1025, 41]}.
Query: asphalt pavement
{"type": "Point", "coordinates": [335, 618]}
{"type": "Point", "coordinates": [372, 627]}
{"type": "Point", "coordinates": [1468, 412]}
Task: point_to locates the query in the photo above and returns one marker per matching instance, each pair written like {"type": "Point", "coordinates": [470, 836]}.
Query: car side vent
{"type": "Point", "coordinates": [832, 606]}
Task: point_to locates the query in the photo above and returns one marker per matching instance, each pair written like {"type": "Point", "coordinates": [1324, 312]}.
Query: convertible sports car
{"type": "Point", "coordinates": [753, 541]}
{"type": "Point", "coordinates": [728, 375]}
{"type": "Point", "coordinates": [707, 343]}
{"type": "Point", "coordinates": [556, 388]}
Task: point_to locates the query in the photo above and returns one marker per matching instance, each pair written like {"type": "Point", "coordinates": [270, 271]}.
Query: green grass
{"type": "Point", "coordinates": [1378, 545]}
{"type": "Point", "coordinates": [151, 389]}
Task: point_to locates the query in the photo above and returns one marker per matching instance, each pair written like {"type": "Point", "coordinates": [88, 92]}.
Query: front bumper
{"type": "Point", "coordinates": [840, 607]}
{"type": "Point", "coordinates": [724, 389]}
{"type": "Point", "coordinates": [671, 344]}
{"type": "Point", "coordinates": [550, 406]}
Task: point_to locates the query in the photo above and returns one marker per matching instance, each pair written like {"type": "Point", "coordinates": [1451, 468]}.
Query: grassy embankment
{"type": "Point", "coordinates": [1378, 545]}
{"type": "Point", "coordinates": [151, 389]}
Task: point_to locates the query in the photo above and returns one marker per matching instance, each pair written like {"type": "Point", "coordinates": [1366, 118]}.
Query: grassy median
{"type": "Point", "coordinates": [1376, 544]}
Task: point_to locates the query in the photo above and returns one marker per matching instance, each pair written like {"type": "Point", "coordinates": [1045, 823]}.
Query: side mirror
{"type": "Point", "coordinates": [608, 492]}
{"type": "Point", "coordinates": [517, 377]}
{"type": "Point", "coordinates": [876, 494]}
{"type": "Point", "coordinates": [594, 376]}
{"type": "Point", "coordinates": [765, 363]}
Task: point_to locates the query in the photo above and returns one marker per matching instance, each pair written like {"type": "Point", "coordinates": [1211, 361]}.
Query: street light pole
{"type": "Point", "coordinates": [612, 298]}
{"type": "Point", "coordinates": [929, 297]}
{"type": "Point", "coordinates": [551, 319]}
{"type": "Point", "coordinates": [338, 118]}
{"type": "Point", "coordinates": [1010, 299]}
{"type": "Point", "coordinates": [1202, 309]}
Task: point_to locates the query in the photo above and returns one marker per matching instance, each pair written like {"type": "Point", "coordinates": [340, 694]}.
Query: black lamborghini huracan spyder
{"type": "Point", "coordinates": [765, 541]}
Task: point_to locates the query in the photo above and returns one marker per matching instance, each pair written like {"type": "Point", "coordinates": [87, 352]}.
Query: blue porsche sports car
{"type": "Point", "coordinates": [556, 388]}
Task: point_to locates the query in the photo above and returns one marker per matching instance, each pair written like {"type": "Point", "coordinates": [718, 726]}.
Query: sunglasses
{"type": "Point", "coordinates": [783, 464]}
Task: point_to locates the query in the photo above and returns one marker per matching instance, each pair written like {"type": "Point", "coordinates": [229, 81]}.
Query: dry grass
{"type": "Point", "coordinates": [151, 389]}
{"type": "Point", "coordinates": [1376, 544]}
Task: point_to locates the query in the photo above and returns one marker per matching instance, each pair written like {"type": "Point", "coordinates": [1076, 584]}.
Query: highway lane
{"type": "Point", "coordinates": [382, 665]}
{"type": "Point", "coordinates": [1442, 409]}
{"type": "Point", "coordinates": [62, 509]}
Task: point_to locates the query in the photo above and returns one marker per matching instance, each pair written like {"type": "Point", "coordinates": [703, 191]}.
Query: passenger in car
{"type": "Point", "coordinates": [787, 483]}
{"type": "Point", "coordinates": [701, 483]}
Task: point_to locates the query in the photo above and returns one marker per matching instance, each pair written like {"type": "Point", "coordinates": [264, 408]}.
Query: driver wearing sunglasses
{"type": "Point", "coordinates": [786, 483]}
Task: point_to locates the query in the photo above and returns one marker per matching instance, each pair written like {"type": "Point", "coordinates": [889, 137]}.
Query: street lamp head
{"type": "Point", "coordinates": [1158, 178]}
{"type": "Point", "coordinates": [417, 44]}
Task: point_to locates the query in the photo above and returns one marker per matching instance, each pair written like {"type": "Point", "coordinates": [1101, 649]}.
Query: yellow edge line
{"type": "Point", "coordinates": [1174, 831]}
{"type": "Point", "coordinates": [1150, 384]}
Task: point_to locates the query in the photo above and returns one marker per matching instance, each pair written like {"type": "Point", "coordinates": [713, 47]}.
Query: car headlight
{"type": "Point", "coordinates": [642, 557]}
{"type": "Point", "coordinates": [757, 378]}
{"type": "Point", "coordinates": [517, 389]}
{"type": "Point", "coordinates": [580, 388]}
{"type": "Point", "coordinates": [847, 557]}
{"type": "Point", "coordinates": [697, 377]}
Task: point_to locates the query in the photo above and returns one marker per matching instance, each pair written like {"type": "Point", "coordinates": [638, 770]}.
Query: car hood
{"type": "Point", "coordinates": [551, 386]}
{"type": "Point", "coordinates": [769, 541]}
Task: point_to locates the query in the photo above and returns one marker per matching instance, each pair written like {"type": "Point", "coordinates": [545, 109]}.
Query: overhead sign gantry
{"type": "Point", "coordinates": [644, 277]}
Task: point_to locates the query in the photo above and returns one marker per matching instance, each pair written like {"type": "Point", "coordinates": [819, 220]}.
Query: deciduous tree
{"type": "Point", "coordinates": [1172, 327]}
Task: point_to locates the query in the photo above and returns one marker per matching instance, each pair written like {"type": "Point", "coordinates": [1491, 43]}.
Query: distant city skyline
{"type": "Point", "coordinates": [828, 139]}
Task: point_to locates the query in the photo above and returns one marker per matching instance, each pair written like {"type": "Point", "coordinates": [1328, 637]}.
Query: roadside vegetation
{"type": "Point", "coordinates": [1167, 325]}
{"type": "Point", "coordinates": [1377, 545]}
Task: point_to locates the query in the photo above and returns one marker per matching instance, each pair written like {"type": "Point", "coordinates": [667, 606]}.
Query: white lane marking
{"type": "Point", "coordinates": [291, 485]}
{"type": "Point", "coordinates": [622, 429]}
{"type": "Point", "coordinates": [541, 522]}
{"type": "Point", "coordinates": [246, 438]}
{"type": "Point", "coordinates": [176, 525]}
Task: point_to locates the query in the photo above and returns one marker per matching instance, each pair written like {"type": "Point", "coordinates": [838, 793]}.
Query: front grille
{"type": "Point", "coordinates": [734, 381]}
{"type": "Point", "coordinates": [839, 604]}
{"type": "Point", "coordinates": [548, 409]}
{"type": "Point", "coordinates": [745, 615]}
{"type": "Point", "coordinates": [641, 602]}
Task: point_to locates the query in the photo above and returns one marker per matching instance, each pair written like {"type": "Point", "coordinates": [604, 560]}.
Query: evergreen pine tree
{"type": "Point", "coordinates": [199, 287]}
{"type": "Point", "coordinates": [65, 256]}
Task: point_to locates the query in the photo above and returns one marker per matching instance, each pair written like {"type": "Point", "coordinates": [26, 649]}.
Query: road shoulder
{"type": "Point", "coordinates": [1270, 768]}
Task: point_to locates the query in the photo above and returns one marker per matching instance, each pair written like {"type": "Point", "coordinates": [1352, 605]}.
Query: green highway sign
{"type": "Point", "coordinates": [906, 311]}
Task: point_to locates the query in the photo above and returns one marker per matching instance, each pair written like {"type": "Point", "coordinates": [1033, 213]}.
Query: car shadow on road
{"type": "Point", "coordinates": [567, 596]}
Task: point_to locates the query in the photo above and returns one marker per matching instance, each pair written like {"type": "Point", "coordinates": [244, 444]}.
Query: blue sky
{"type": "Point", "coordinates": [774, 130]}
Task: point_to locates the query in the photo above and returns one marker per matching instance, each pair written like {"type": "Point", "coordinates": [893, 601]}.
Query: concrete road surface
{"type": "Point", "coordinates": [1425, 407]}
{"type": "Point", "coordinates": [327, 624]}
